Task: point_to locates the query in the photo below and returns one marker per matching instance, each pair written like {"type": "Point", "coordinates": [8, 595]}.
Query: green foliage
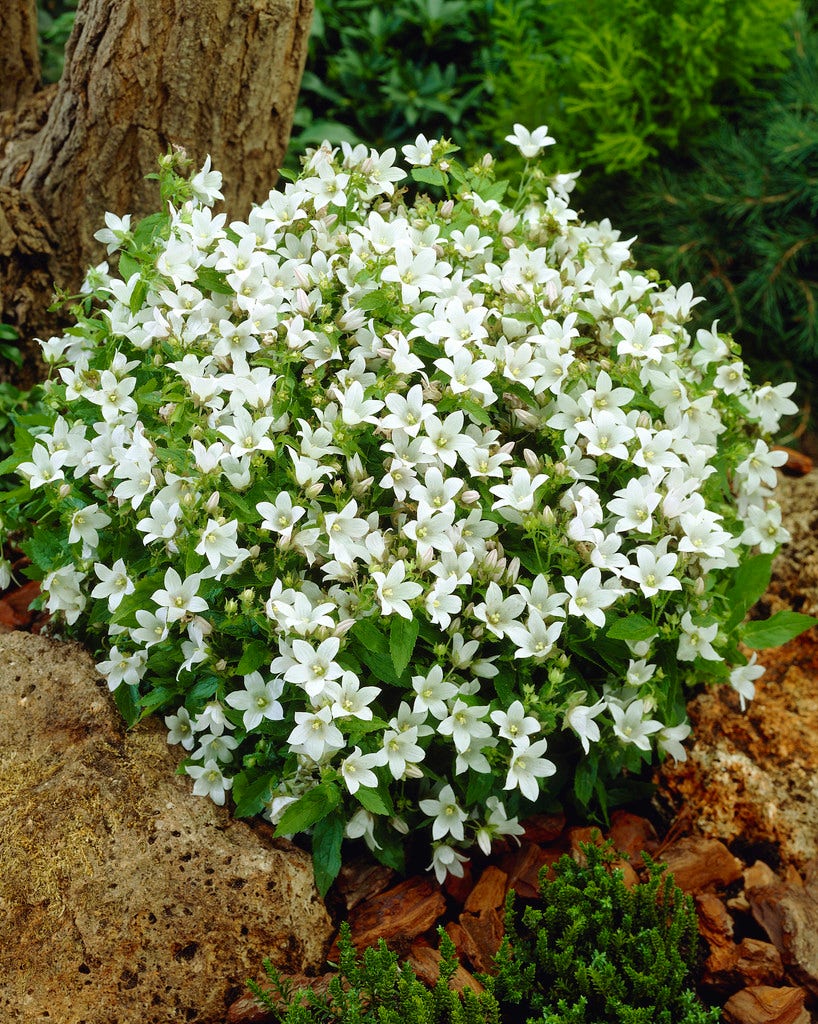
{"type": "Point", "coordinates": [382, 72]}
{"type": "Point", "coordinates": [374, 988]}
{"type": "Point", "coordinates": [620, 81]}
{"type": "Point", "coordinates": [12, 399]}
{"type": "Point", "coordinates": [738, 220]}
{"type": "Point", "coordinates": [598, 951]}
{"type": "Point", "coordinates": [55, 20]}
{"type": "Point", "coordinates": [591, 950]}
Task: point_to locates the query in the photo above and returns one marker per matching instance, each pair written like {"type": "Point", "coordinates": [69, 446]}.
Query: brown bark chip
{"type": "Point", "coordinates": [489, 893]}
{"type": "Point", "coordinates": [425, 963]}
{"type": "Point", "coordinates": [698, 864]}
{"type": "Point", "coordinates": [402, 912]}
{"type": "Point", "coordinates": [762, 1004]}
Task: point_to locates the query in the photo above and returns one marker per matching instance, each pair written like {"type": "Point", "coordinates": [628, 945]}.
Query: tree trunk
{"type": "Point", "coordinates": [19, 57]}
{"type": "Point", "coordinates": [213, 76]}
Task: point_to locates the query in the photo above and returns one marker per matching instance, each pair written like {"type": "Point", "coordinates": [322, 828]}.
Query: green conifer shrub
{"type": "Point", "coordinates": [619, 82]}
{"type": "Point", "coordinates": [738, 220]}
{"type": "Point", "coordinates": [590, 951]}
{"type": "Point", "coordinates": [594, 950]}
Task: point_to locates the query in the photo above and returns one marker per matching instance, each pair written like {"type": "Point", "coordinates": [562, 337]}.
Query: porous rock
{"type": "Point", "coordinates": [123, 897]}
{"type": "Point", "coordinates": [750, 775]}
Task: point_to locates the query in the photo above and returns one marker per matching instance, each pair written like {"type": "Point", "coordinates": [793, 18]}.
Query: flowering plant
{"type": "Point", "coordinates": [402, 514]}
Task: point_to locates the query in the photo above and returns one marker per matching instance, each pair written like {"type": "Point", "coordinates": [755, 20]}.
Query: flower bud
{"type": "Point", "coordinates": [64, 491]}
{"type": "Point", "coordinates": [447, 209]}
{"type": "Point", "coordinates": [212, 503]}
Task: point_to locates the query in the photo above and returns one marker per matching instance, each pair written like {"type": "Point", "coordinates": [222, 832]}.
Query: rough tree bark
{"type": "Point", "coordinates": [213, 76]}
{"type": "Point", "coordinates": [19, 57]}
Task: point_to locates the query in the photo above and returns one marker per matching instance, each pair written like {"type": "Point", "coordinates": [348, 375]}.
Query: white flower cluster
{"type": "Point", "coordinates": [422, 503]}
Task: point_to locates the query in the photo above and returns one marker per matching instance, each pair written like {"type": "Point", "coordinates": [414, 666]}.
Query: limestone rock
{"type": "Point", "coordinates": [750, 775]}
{"type": "Point", "coordinates": [794, 585]}
{"type": "Point", "coordinates": [123, 897]}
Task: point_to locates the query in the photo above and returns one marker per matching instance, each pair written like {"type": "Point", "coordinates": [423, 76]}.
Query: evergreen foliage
{"type": "Point", "coordinates": [375, 988]}
{"type": "Point", "coordinates": [592, 951]}
{"type": "Point", "coordinates": [739, 220]}
{"type": "Point", "coordinates": [619, 82]}
{"type": "Point", "coordinates": [597, 951]}
{"type": "Point", "coordinates": [380, 72]}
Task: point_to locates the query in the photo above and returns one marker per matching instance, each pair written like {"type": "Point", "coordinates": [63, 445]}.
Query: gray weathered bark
{"type": "Point", "coordinates": [213, 76]}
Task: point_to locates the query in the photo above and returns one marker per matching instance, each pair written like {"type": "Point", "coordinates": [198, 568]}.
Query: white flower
{"type": "Point", "coordinates": [85, 525]}
{"type": "Point", "coordinates": [513, 724]}
{"type": "Point", "coordinates": [402, 750]}
{"type": "Point", "coordinates": [209, 781]}
{"type": "Point", "coordinates": [44, 467]}
{"type": "Point", "coordinates": [447, 860]}
{"type": "Point", "coordinates": [530, 144]}
{"type": "Point", "coordinates": [653, 571]}
{"type": "Point", "coordinates": [123, 667]}
{"type": "Point", "coordinates": [394, 590]}
{"type": "Point", "coordinates": [180, 729]}
{"type": "Point", "coordinates": [498, 612]}
{"type": "Point", "coordinates": [356, 769]}
{"type": "Point", "coordinates": [587, 596]}
{"type": "Point", "coordinates": [631, 725]}
{"type": "Point", "coordinates": [314, 734]}
{"type": "Point", "coordinates": [497, 825]}
{"type": "Point", "coordinates": [526, 767]}
{"type": "Point", "coordinates": [448, 816]}
{"type": "Point", "coordinates": [258, 700]}
{"type": "Point", "coordinates": [669, 740]}
{"type": "Point", "coordinates": [432, 692]}
{"type": "Point", "coordinates": [465, 724]}
{"type": "Point", "coordinates": [581, 720]}
{"type": "Point", "coordinates": [180, 597]}
{"type": "Point", "coordinates": [114, 583]}
{"type": "Point", "coordinates": [743, 677]}
{"type": "Point", "coordinates": [419, 154]}
{"type": "Point", "coordinates": [696, 641]}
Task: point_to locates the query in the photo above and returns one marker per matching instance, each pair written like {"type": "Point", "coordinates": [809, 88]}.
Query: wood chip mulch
{"type": "Point", "coordinates": [759, 930]}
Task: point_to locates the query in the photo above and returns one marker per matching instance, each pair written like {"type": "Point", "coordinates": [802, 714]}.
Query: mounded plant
{"type": "Point", "coordinates": [590, 949]}
{"type": "Point", "coordinates": [404, 514]}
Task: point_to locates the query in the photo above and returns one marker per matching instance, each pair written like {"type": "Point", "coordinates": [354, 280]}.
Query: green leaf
{"type": "Point", "coordinates": [632, 629]}
{"type": "Point", "coordinates": [44, 548]}
{"type": "Point", "coordinates": [251, 797]}
{"type": "Point", "coordinates": [127, 700]}
{"type": "Point", "coordinates": [373, 302]}
{"type": "Point", "coordinates": [380, 665]}
{"type": "Point", "coordinates": [402, 636]}
{"type": "Point", "coordinates": [370, 636]}
{"type": "Point", "coordinates": [128, 266]}
{"type": "Point", "coordinates": [429, 176]}
{"type": "Point", "coordinates": [210, 280]}
{"type": "Point", "coordinates": [392, 854]}
{"type": "Point", "coordinates": [480, 787]}
{"type": "Point", "coordinates": [776, 630]}
{"type": "Point", "coordinates": [585, 780]}
{"type": "Point", "coordinates": [372, 800]}
{"type": "Point", "coordinates": [326, 851]}
{"type": "Point", "coordinates": [749, 583]}
{"type": "Point", "coordinates": [255, 654]}
{"type": "Point", "coordinates": [312, 807]}
{"type": "Point", "coordinates": [149, 227]}
{"type": "Point", "coordinates": [158, 697]}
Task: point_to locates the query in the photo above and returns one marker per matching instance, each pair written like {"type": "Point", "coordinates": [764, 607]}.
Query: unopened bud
{"type": "Point", "coordinates": [532, 460]}
{"type": "Point", "coordinates": [64, 491]}
{"type": "Point", "coordinates": [447, 209]}
{"type": "Point", "coordinates": [212, 503]}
